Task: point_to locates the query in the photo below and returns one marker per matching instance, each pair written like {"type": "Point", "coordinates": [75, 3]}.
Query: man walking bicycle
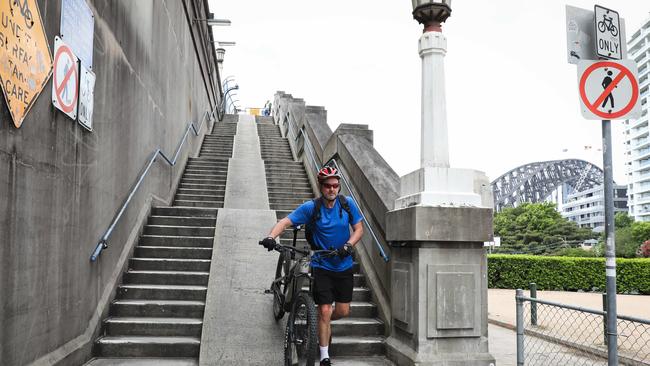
{"type": "Point", "coordinates": [328, 220]}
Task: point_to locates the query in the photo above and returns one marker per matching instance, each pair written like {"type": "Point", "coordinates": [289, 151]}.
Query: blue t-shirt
{"type": "Point", "coordinates": [331, 231]}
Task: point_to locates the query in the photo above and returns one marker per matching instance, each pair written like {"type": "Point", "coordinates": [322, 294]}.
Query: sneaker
{"type": "Point", "coordinates": [325, 362]}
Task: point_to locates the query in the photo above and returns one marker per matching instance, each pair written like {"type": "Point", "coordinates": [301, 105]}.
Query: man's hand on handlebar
{"type": "Point", "coordinates": [268, 243]}
{"type": "Point", "coordinates": [345, 250]}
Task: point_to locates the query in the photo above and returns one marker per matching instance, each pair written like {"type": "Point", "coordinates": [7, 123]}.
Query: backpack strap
{"type": "Point", "coordinates": [343, 203]}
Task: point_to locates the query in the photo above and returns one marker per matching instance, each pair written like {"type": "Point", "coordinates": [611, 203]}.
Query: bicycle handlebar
{"type": "Point", "coordinates": [323, 252]}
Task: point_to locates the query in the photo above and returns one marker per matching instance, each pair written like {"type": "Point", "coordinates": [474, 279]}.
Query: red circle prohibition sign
{"type": "Point", "coordinates": [593, 107]}
{"type": "Point", "coordinates": [67, 108]}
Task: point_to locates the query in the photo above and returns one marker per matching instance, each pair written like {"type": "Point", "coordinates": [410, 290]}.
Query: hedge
{"type": "Point", "coordinates": [566, 273]}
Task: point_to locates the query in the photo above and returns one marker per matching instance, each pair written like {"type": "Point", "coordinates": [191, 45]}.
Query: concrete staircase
{"type": "Point", "coordinates": [362, 334]}
{"type": "Point", "coordinates": [157, 315]}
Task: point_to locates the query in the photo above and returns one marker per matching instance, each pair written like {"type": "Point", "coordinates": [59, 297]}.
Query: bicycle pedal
{"type": "Point", "coordinates": [267, 291]}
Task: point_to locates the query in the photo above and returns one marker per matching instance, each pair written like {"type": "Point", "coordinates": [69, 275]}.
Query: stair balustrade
{"type": "Point", "coordinates": [310, 153]}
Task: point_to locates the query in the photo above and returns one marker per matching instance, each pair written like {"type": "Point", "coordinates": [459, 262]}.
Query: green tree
{"type": "Point", "coordinates": [536, 228]}
{"type": "Point", "coordinates": [622, 219]}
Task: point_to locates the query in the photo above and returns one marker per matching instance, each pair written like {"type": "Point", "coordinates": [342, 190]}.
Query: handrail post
{"type": "Point", "coordinates": [533, 304]}
{"type": "Point", "coordinates": [520, 326]}
{"type": "Point", "coordinates": [605, 318]}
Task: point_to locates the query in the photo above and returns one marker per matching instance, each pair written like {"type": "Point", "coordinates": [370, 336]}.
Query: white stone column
{"type": "Point", "coordinates": [434, 149]}
{"type": "Point", "coordinates": [435, 183]}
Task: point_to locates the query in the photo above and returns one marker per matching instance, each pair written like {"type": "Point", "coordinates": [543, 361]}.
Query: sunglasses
{"type": "Point", "coordinates": [329, 186]}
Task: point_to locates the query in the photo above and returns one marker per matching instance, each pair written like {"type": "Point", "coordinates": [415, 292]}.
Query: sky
{"type": "Point", "coordinates": [512, 97]}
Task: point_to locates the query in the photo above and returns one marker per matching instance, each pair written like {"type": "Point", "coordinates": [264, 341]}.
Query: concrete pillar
{"type": "Point", "coordinates": [437, 229]}
{"type": "Point", "coordinates": [439, 286]}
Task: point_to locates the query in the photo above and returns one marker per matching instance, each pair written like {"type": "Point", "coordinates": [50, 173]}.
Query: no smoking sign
{"type": "Point", "coordinates": [65, 79]}
{"type": "Point", "coordinates": [609, 89]}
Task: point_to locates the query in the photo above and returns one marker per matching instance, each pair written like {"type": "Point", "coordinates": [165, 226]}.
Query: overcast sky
{"type": "Point", "coordinates": [511, 95]}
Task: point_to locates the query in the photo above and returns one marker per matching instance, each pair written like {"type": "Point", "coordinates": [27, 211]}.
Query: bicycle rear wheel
{"type": "Point", "coordinates": [301, 335]}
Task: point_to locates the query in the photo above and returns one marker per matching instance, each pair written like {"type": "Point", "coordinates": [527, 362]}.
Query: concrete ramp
{"type": "Point", "coordinates": [239, 328]}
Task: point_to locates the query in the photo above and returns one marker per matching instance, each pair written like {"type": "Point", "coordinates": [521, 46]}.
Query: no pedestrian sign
{"type": "Point", "coordinates": [609, 89]}
{"type": "Point", "coordinates": [65, 79]}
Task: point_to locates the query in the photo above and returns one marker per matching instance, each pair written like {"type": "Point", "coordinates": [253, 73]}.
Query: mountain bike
{"type": "Point", "coordinates": [292, 275]}
{"type": "Point", "coordinates": [607, 24]}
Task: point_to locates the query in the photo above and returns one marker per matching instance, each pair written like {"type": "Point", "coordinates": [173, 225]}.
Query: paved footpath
{"type": "Point", "coordinates": [501, 303]}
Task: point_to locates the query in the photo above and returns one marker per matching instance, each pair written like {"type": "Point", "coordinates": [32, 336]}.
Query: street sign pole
{"type": "Point", "coordinates": [610, 245]}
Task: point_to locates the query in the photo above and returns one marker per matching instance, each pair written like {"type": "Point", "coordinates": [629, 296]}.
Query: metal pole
{"type": "Point", "coordinates": [605, 318]}
{"type": "Point", "coordinates": [533, 304]}
{"type": "Point", "coordinates": [520, 327]}
{"type": "Point", "coordinates": [610, 253]}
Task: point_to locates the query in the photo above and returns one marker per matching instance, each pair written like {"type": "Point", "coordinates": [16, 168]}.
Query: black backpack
{"type": "Point", "coordinates": [318, 202]}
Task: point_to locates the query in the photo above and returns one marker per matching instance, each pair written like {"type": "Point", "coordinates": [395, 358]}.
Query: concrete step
{"type": "Point", "coordinates": [183, 211]}
{"type": "Point", "coordinates": [167, 230]}
{"type": "Point", "coordinates": [199, 192]}
{"type": "Point", "coordinates": [209, 164]}
{"type": "Point", "coordinates": [276, 197]}
{"type": "Point", "coordinates": [200, 160]}
{"type": "Point", "coordinates": [182, 221]}
{"type": "Point", "coordinates": [157, 308]}
{"type": "Point", "coordinates": [140, 361]}
{"type": "Point", "coordinates": [143, 346]}
{"type": "Point", "coordinates": [169, 264]}
{"type": "Point", "coordinates": [216, 153]}
{"type": "Point", "coordinates": [178, 240]}
{"type": "Point", "coordinates": [185, 203]}
{"type": "Point", "coordinates": [202, 186]}
{"type": "Point", "coordinates": [293, 164]}
{"type": "Point", "coordinates": [193, 278]}
{"type": "Point", "coordinates": [220, 156]}
{"type": "Point", "coordinates": [173, 252]}
{"type": "Point", "coordinates": [221, 178]}
{"type": "Point", "coordinates": [363, 309]}
{"type": "Point", "coordinates": [199, 197]}
{"type": "Point", "coordinates": [161, 292]}
{"type": "Point", "coordinates": [358, 327]}
{"type": "Point", "coordinates": [214, 182]}
{"type": "Point", "coordinates": [220, 171]}
{"type": "Point", "coordinates": [289, 187]}
{"type": "Point", "coordinates": [282, 206]}
{"type": "Point", "coordinates": [152, 326]}
{"type": "Point", "coordinates": [357, 346]}
{"type": "Point", "coordinates": [286, 175]}
{"type": "Point", "coordinates": [289, 202]}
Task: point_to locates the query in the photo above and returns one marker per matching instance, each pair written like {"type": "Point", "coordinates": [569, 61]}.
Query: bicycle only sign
{"type": "Point", "coordinates": [609, 89]}
{"type": "Point", "coordinates": [608, 33]}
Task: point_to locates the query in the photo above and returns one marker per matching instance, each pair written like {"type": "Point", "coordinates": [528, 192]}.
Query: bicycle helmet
{"type": "Point", "coordinates": [328, 172]}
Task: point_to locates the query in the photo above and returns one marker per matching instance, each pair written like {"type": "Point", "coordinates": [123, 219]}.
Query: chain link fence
{"type": "Point", "coordinates": [550, 333]}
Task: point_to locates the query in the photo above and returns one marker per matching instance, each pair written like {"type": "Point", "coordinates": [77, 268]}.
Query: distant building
{"type": "Point", "coordinates": [637, 141]}
{"type": "Point", "coordinates": [587, 208]}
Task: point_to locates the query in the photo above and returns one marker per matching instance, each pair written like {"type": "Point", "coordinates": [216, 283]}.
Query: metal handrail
{"type": "Point", "coordinates": [382, 252]}
{"type": "Point", "coordinates": [581, 309]}
{"type": "Point", "coordinates": [103, 243]}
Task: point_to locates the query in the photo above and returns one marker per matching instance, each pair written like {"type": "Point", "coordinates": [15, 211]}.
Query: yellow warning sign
{"type": "Point", "coordinates": [25, 60]}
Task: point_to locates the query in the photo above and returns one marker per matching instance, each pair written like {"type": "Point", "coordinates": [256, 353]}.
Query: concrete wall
{"type": "Point", "coordinates": [374, 183]}
{"type": "Point", "coordinates": [60, 186]}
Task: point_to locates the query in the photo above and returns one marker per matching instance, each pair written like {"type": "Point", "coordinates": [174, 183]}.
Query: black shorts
{"type": "Point", "coordinates": [332, 286]}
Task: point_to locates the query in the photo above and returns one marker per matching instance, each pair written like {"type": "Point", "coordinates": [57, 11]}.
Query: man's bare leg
{"type": "Point", "coordinates": [324, 330]}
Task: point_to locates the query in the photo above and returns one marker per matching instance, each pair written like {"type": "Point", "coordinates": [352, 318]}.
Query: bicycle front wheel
{"type": "Point", "coordinates": [279, 288]}
{"type": "Point", "coordinates": [301, 336]}
{"type": "Point", "coordinates": [614, 31]}
{"type": "Point", "coordinates": [602, 26]}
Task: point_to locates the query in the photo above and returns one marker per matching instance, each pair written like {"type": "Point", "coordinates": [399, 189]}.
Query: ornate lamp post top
{"type": "Point", "coordinates": [220, 54]}
{"type": "Point", "coordinates": [431, 12]}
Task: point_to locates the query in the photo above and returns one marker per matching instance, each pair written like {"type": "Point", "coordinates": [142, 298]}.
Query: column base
{"type": "Point", "coordinates": [446, 187]}
{"type": "Point", "coordinates": [403, 355]}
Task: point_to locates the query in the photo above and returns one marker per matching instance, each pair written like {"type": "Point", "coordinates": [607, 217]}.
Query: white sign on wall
{"type": "Point", "coordinates": [86, 98]}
